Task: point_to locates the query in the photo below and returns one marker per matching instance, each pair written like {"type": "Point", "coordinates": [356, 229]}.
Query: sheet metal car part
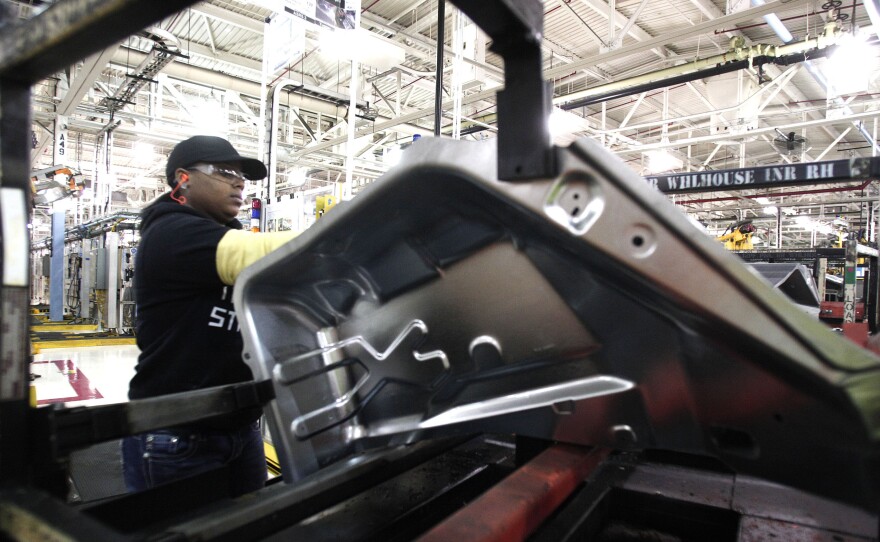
{"type": "Point", "coordinates": [583, 308]}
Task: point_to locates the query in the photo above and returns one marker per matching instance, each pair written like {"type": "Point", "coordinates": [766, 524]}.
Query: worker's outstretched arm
{"type": "Point", "coordinates": [238, 249]}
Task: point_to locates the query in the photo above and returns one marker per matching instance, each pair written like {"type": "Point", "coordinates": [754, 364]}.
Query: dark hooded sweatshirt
{"type": "Point", "coordinates": [186, 326]}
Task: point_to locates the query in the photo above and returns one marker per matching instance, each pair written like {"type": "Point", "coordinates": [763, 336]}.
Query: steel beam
{"type": "Point", "coordinates": [73, 29]}
{"type": "Point", "coordinates": [88, 74]}
{"type": "Point", "coordinates": [752, 133]}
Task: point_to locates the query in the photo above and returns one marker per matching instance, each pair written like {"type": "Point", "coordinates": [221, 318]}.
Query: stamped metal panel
{"type": "Point", "coordinates": [583, 308]}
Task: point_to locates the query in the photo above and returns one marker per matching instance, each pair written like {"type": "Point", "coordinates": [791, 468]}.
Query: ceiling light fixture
{"type": "Point", "coordinates": [662, 160]}
{"type": "Point", "coordinates": [849, 66]}
{"type": "Point", "coordinates": [565, 126]}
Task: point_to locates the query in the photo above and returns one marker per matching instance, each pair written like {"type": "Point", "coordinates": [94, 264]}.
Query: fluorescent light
{"type": "Point", "coordinates": [141, 147]}
{"type": "Point", "coordinates": [391, 157]}
{"type": "Point", "coordinates": [362, 46]}
{"type": "Point", "coordinates": [848, 69]}
{"type": "Point", "coordinates": [143, 152]}
{"type": "Point", "coordinates": [803, 220]}
{"type": "Point", "coordinates": [774, 23]}
{"type": "Point", "coordinates": [210, 118]}
{"type": "Point", "coordinates": [297, 177]}
{"type": "Point", "coordinates": [777, 26]}
{"type": "Point", "coordinates": [873, 14]}
{"type": "Point", "coordinates": [762, 200]}
{"type": "Point", "coordinates": [563, 124]}
{"type": "Point", "coordinates": [662, 160]}
{"type": "Point", "coordinates": [771, 210]}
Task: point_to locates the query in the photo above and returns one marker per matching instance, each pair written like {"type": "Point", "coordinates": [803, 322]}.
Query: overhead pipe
{"type": "Point", "coordinates": [693, 76]}
{"type": "Point", "coordinates": [785, 35]}
{"type": "Point", "coordinates": [219, 80]}
{"type": "Point", "coordinates": [738, 57]}
{"type": "Point", "coordinates": [792, 18]}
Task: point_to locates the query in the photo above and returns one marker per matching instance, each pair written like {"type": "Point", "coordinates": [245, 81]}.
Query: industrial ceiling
{"type": "Point", "coordinates": [637, 76]}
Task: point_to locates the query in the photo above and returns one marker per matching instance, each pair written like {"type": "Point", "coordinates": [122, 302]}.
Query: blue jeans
{"type": "Point", "coordinates": [158, 457]}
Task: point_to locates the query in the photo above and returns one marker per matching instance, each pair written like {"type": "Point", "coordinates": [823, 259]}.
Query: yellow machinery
{"type": "Point", "coordinates": [323, 204]}
{"type": "Point", "coordinates": [738, 236]}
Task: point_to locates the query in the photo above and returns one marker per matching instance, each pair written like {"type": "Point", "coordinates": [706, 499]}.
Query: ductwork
{"type": "Point", "coordinates": [217, 79]}
{"type": "Point", "coordinates": [783, 33]}
{"type": "Point", "coordinates": [738, 57]}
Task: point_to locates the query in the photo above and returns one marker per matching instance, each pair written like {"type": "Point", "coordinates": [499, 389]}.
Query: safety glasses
{"type": "Point", "coordinates": [226, 175]}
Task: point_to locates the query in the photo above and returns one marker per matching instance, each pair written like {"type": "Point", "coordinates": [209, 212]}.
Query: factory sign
{"type": "Point", "coordinates": [333, 14]}
{"type": "Point", "coordinates": [767, 176]}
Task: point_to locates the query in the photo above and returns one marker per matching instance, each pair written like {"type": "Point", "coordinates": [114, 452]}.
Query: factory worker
{"type": "Point", "coordinates": [191, 250]}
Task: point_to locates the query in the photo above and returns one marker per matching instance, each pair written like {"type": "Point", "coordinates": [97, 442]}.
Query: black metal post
{"type": "Point", "coordinates": [872, 295]}
{"type": "Point", "coordinates": [14, 292]}
{"type": "Point", "coordinates": [516, 27]}
{"type": "Point", "coordinates": [441, 44]}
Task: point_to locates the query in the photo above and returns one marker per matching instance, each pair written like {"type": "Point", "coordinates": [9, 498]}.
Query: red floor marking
{"type": "Point", "coordinates": [78, 381]}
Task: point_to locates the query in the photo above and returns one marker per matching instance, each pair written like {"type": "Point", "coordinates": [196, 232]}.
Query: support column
{"type": "Point", "coordinates": [56, 268]}
{"type": "Point", "coordinates": [849, 283]}
{"type": "Point", "coordinates": [112, 250]}
{"type": "Point", "coordinates": [778, 226]}
{"type": "Point", "coordinates": [85, 282]}
{"type": "Point", "coordinates": [345, 189]}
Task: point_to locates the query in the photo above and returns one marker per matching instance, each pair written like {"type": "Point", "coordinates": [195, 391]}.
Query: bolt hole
{"type": "Point", "coordinates": [778, 417]}
{"type": "Point", "coordinates": [518, 169]}
{"type": "Point", "coordinates": [576, 195]}
{"type": "Point", "coordinates": [638, 240]}
{"type": "Point", "coordinates": [575, 211]}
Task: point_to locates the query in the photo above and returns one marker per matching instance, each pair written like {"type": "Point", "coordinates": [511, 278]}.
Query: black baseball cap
{"type": "Point", "coordinates": [210, 149]}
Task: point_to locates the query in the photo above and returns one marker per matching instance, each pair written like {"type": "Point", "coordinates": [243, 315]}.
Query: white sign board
{"type": "Point", "coordinates": [284, 41]}
{"type": "Point", "coordinates": [335, 14]}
